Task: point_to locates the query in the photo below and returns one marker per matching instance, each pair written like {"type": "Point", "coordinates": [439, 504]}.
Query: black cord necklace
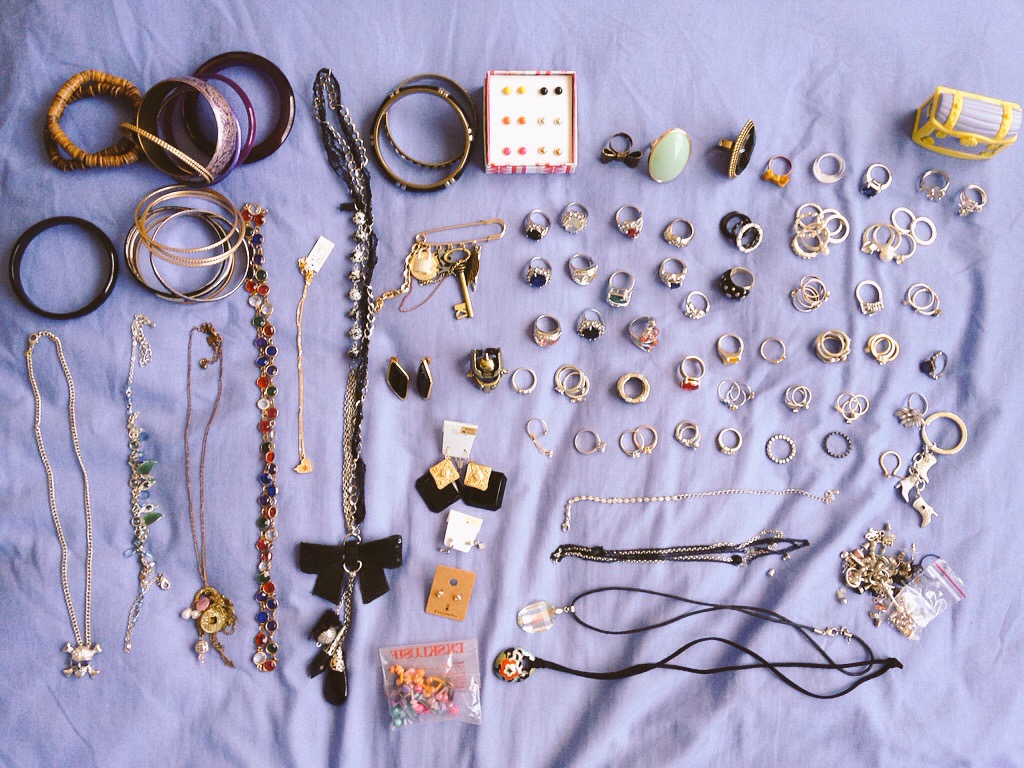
{"type": "Point", "coordinates": [516, 664]}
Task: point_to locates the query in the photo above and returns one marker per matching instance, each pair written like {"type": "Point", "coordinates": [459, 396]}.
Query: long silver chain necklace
{"type": "Point", "coordinates": [83, 651]}
{"type": "Point", "coordinates": [210, 610]}
{"type": "Point", "coordinates": [141, 480]}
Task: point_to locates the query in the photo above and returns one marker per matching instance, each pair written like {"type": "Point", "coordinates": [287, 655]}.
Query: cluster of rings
{"type": "Point", "coordinates": [227, 253]}
{"type": "Point", "coordinates": [780, 438]}
{"type": "Point", "coordinates": [572, 382]}
{"type": "Point", "coordinates": [529, 387]}
{"type": "Point", "coordinates": [582, 269]}
{"type": "Point", "coordinates": [739, 229]}
{"type": "Point", "coordinates": [832, 346]}
{"type": "Point", "coordinates": [971, 199]}
{"type": "Point", "coordinates": [546, 331]}
{"type": "Point", "coordinates": [691, 371]}
{"type": "Point", "coordinates": [735, 283]}
{"type": "Point", "coordinates": [643, 331]}
{"type": "Point", "coordinates": [590, 325]}
{"type": "Point", "coordinates": [883, 347]}
{"type": "Point", "coordinates": [852, 406]}
{"type": "Point", "coordinates": [816, 228]}
{"type": "Point", "coordinates": [620, 290]}
{"type": "Point", "coordinates": [639, 441]}
{"type": "Point", "coordinates": [797, 398]}
{"type": "Point", "coordinates": [671, 272]}
{"type": "Point", "coordinates": [625, 380]}
{"type": "Point", "coordinates": [573, 219]}
{"type": "Point", "coordinates": [538, 272]}
{"type": "Point", "coordinates": [688, 434]}
{"type": "Point", "coordinates": [691, 310]}
{"type": "Point", "coordinates": [810, 294]}
{"type": "Point", "coordinates": [729, 450]}
{"type": "Point", "coordinates": [923, 299]}
{"type": "Point", "coordinates": [764, 354]}
{"type": "Point", "coordinates": [886, 240]}
{"type": "Point", "coordinates": [876, 178]}
{"type": "Point", "coordinates": [735, 394]}
{"type": "Point", "coordinates": [675, 239]}
{"type": "Point", "coordinates": [869, 307]}
{"type": "Point", "coordinates": [730, 348]}
{"type": "Point", "coordinates": [842, 436]}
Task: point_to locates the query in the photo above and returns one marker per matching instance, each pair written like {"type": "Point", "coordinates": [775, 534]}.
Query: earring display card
{"type": "Point", "coordinates": [530, 122]}
{"type": "Point", "coordinates": [462, 531]}
{"type": "Point", "coordinates": [458, 438]}
{"type": "Point", "coordinates": [450, 592]}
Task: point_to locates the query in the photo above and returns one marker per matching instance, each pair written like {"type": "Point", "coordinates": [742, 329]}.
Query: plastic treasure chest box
{"type": "Point", "coordinates": [966, 125]}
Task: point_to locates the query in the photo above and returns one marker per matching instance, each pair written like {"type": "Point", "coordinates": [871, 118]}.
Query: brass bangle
{"type": "Point", "coordinates": [85, 85]}
{"type": "Point", "coordinates": [170, 149]}
{"type": "Point", "coordinates": [230, 242]}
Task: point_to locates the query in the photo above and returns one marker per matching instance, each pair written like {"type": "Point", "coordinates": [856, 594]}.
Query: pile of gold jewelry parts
{"type": "Point", "coordinates": [869, 569]}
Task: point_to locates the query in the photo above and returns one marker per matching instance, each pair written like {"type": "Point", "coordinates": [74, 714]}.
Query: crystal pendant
{"type": "Point", "coordinates": [538, 617]}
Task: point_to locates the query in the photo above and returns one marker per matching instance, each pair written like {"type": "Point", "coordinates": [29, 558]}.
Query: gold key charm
{"type": "Point", "coordinates": [463, 310]}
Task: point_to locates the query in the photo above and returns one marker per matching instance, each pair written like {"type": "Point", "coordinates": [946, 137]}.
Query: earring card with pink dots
{"type": "Point", "coordinates": [530, 122]}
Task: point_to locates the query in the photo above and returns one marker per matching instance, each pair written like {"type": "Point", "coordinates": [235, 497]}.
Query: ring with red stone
{"type": "Point", "coordinates": [630, 227]}
{"type": "Point", "coordinates": [691, 371]}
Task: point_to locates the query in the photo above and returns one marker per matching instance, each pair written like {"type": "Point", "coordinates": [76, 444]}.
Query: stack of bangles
{"type": "Point", "coordinates": [227, 252]}
{"type": "Point", "coordinates": [153, 127]}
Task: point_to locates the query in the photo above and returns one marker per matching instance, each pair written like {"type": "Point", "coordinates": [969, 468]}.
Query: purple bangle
{"type": "Point", "coordinates": [167, 117]}
{"type": "Point", "coordinates": [228, 143]}
{"type": "Point", "coordinates": [272, 74]}
{"type": "Point", "coordinates": [250, 115]}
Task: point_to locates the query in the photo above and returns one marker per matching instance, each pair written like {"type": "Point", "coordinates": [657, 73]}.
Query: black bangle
{"type": "Point", "coordinates": [18, 256]}
{"type": "Point", "coordinates": [457, 166]}
{"type": "Point", "coordinates": [273, 74]}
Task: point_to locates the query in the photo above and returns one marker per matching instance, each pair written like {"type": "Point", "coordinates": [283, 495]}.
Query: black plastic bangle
{"type": "Point", "coordinates": [18, 256]}
{"type": "Point", "coordinates": [273, 74]}
{"type": "Point", "coordinates": [457, 168]}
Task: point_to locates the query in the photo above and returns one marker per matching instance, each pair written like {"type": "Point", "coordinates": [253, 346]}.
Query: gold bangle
{"type": "Point", "coordinates": [171, 150]}
{"type": "Point", "coordinates": [230, 242]}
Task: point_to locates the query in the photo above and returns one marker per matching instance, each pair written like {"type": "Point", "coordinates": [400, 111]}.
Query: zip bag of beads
{"type": "Point", "coordinates": [432, 682]}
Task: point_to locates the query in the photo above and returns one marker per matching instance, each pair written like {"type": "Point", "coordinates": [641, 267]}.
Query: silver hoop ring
{"type": "Point", "coordinates": [931, 190]}
{"type": "Point", "coordinates": [688, 434]}
{"type": "Point", "coordinates": [773, 360]}
{"type": "Point", "coordinates": [834, 176]}
{"type": "Point", "coordinates": [950, 417]}
{"type": "Point", "coordinates": [597, 447]}
{"type": "Point", "coordinates": [780, 438]}
{"type": "Point", "coordinates": [930, 308]}
{"type": "Point", "coordinates": [530, 387]}
{"type": "Point", "coordinates": [677, 240]}
{"type": "Point", "coordinates": [727, 449]}
{"type": "Point", "coordinates": [886, 472]}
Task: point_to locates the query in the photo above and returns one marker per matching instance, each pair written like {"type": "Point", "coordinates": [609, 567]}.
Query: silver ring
{"type": "Point", "coordinates": [527, 389]}
{"type": "Point", "coordinates": [691, 310]}
{"type": "Point", "coordinates": [629, 227]}
{"type": "Point", "coordinates": [536, 224]}
{"type": "Point", "coordinates": [736, 394]}
{"type": "Point", "coordinates": [840, 343]}
{"type": "Point", "coordinates": [883, 347]}
{"type": "Point", "coordinates": [749, 236]}
{"type": "Point", "coordinates": [574, 218]}
{"type": "Point", "coordinates": [646, 338]}
{"type": "Point", "coordinates": [869, 307]}
{"type": "Point", "coordinates": [598, 446]}
{"type": "Point", "coordinates": [909, 416]}
{"type": "Point", "coordinates": [672, 271]}
{"type": "Point", "coordinates": [727, 449]}
{"type": "Point", "coordinates": [546, 336]}
{"type": "Point", "coordinates": [810, 294]}
{"type": "Point", "coordinates": [676, 240]}
{"type": "Point", "coordinates": [872, 185]}
{"type": "Point", "coordinates": [932, 190]}
{"type": "Point", "coordinates": [966, 202]}
{"type": "Point", "coordinates": [582, 269]}
{"type": "Point", "coordinates": [572, 382]}
{"type": "Point", "coordinates": [538, 272]}
{"type": "Point", "coordinates": [730, 357]}
{"type": "Point", "coordinates": [852, 406]}
{"type": "Point", "coordinates": [690, 380]}
{"type": "Point", "coordinates": [797, 398]}
{"type": "Point", "coordinates": [536, 438]}
{"type": "Point", "coordinates": [619, 295]}
{"type": "Point", "coordinates": [590, 325]}
{"type": "Point", "coordinates": [688, 434]}
{"type": "Point", "coordinates": [886, 472]}
{"type": "Point", "coordinates": [780, 438]}
{"type": "Point", "coordinates": [781, 355]}
{"type": "Point", "coordinates": [935, 365]}
{"type": "Point", "coordinates": [834, 176]}
{"type": "Point", "coordinates": [929, 306]}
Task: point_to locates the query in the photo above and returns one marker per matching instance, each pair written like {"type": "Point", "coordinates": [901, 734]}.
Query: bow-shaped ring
{"type": "Point", "coordinates": [610, 154]}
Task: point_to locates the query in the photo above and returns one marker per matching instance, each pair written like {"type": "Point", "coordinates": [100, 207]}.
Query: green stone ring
{"type": "Point", "coordinates": [669, 154]}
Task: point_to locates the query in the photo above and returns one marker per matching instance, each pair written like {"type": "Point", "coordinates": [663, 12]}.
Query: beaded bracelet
{"type": "Point", "coordinates": [85, 85]}
{"type": "Point", "coordinates": [265, 657]}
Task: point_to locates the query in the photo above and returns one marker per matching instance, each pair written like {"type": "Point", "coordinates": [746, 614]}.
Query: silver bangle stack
{"type": "Point", "coordinates": [810, 294]}
{"type": "Point", "coordinates": [896, 234]}
{"type": "Point", "coordinates": [832, 346]}
{"type": "Point", "coordinates": [572, 382]}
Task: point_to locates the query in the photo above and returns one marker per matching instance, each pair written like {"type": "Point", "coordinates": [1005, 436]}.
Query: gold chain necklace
{"type": "Point", "coordinates": [83, 651]}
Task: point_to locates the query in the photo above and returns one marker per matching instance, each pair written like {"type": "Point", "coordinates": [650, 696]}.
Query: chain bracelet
{"type": "Point", "coordinates": [827, 498]}
{"type": "Point", "coordinates": [761, 544]}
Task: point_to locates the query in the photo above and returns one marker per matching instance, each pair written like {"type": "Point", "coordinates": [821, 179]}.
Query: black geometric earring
{"type": "Point", "coordinates": [424, 379]}
{"type": "Point", "coordinates": [398, 379]}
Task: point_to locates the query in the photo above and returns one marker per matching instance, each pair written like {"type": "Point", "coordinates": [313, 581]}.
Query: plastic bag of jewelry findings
{"type": "Point", "coordinates": [924, 597]}
{"type": "Point", "coordinates": [432, 682]}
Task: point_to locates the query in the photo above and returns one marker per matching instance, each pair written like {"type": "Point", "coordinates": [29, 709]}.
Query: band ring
{"type": "Point", "coordinates": [833, 454]}
{"type": "Point", "coordinates": [730, 357]}
{"type": "Point", "coordinates": [623, 382]}
{"type": "Point", "coordinates": [530, 387]}
{"type": "Point", "coordinates": [773, 360]}
{"type": "Point", "coordinates": [829, 178]}
{"type": "Point", "coordinates": [597, 447]}
{"type": "Point", "coordinates": [950, 417]}
{"type": "Point", "coordinates": [680, 241]}
{"type": "Point", "coordinates": [729, 450]}
{"type": "Point", "coordinates": [546, 331]}
{"type": "Point", "coordinates": [582, 269]}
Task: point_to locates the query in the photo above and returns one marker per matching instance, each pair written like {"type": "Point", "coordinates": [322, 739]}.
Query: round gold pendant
{"type": "Point", "coordinates": [424, 265]}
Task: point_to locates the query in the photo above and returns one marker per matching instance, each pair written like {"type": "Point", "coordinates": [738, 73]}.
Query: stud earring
{"type": "Point", "coordinates": [398, 379]}
{"type": "Point", "coordinates": [424, 379]}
